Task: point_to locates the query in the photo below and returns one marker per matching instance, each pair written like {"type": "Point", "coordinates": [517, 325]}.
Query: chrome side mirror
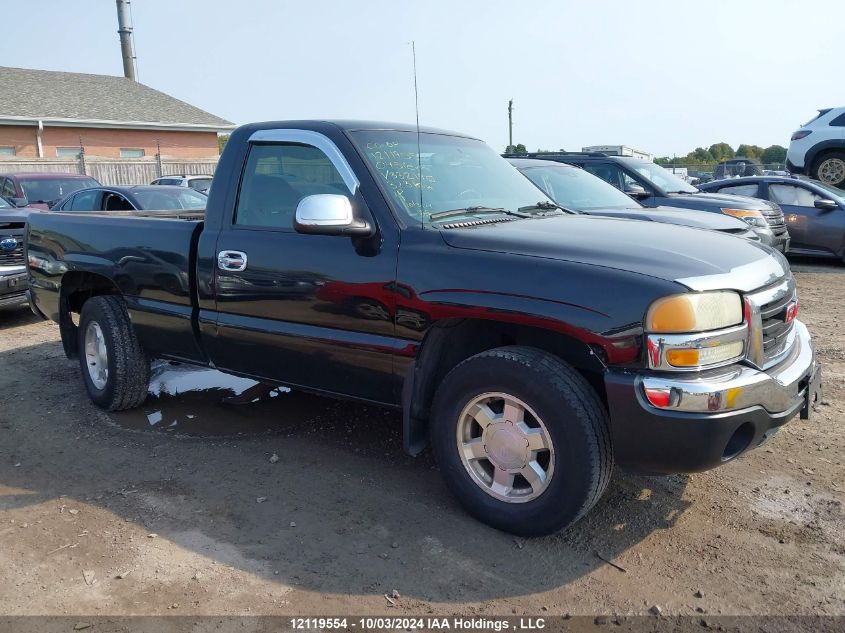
{"type": "Point", "coordinates": [826, 204]}
{"type": "Point", "coordinates": [329, 214]}
{"type": "Point", "coordinates": [636, 192]}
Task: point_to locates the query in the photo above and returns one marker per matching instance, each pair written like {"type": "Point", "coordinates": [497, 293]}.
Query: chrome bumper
{"type": "Point", "coordinates": [777, 389]}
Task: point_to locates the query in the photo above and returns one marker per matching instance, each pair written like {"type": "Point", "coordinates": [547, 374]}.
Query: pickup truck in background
{"type": "Point", "coordinates": [12, 269]}
{"type": "Point", "coordinates": [417, 269]}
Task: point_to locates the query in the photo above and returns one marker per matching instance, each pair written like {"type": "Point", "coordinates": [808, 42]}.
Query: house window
{"type": "Point", "coordinates": [131, 152]}
{"type": "Point", "coordinates": [67, 152]}
{"type": "Point", "coordinates": [7, 151]}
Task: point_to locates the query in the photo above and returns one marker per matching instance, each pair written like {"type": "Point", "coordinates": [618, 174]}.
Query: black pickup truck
{"type": "Point", "coordinates": [532, 348]}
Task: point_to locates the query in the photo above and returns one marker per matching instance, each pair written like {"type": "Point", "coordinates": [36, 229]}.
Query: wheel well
{"type": "Point", "coordinates": [77, 288]}
{"type": "Point", "coordinates": [449, 343]}
{"type": "Point", "coordinates": [823, 153]}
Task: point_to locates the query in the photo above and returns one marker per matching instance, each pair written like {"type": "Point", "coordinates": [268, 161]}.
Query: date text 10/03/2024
{"type": "Point", "coordinates": [412, 623]}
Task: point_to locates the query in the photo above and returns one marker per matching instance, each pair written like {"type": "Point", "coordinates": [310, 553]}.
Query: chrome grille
{"type": "Point", "coordinates": [12, 258]}
{"type": "Point", "coordinates": [772, 335]}
{"type": "Point", "coordinates": [774, 218]}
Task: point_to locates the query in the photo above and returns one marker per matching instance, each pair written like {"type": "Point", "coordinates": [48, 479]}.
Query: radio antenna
{"type": "Point", "coordinates": [417, 110]}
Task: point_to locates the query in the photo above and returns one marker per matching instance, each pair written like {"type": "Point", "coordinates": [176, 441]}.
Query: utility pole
{"type": "Point", "coordinates": [510, 124]}
{"type": "Point", "coordinates": [124, 29]}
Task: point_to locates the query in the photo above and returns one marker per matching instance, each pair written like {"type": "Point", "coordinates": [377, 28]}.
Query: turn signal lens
{"type": "Point", "coordinates": [694, 312]}
{"type": "Point", "coordinates": [705, 355]}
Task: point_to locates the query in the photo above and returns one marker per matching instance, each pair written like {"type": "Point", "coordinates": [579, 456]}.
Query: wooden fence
{"type": "Point", "coordinates": [136, 171]}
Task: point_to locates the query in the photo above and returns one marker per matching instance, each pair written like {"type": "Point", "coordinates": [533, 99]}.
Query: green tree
{"type": "Point", "coordinates": [749, 151]}
{"type": "Point", "coordinates": [222, 139]}
{"type": "Point", "coordinates": [773, 154]}
{"type": "Point", "coordinates": [721, 151]}
{"type": "Point", "coordinates": [516, 149]}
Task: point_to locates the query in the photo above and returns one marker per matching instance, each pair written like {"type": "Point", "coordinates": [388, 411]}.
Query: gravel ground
{"type": "Point", "coordinates": [181, 507]}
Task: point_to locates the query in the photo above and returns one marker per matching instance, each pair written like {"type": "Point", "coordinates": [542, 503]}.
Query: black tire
{"type": "Point", "coordinates": [817, 166]}
{"type": "Point", "coordinates": [128, 366]}
{"type": "Point", "coordinates": [574, 418]}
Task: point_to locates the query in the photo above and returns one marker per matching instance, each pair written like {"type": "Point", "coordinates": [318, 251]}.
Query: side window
{"type": "Point", "coordinates": [115, 202]}
{"type": "Point", "coordinates": [790, 194]}
{"type": "Point", "coordinates": [609, 173]}
{"type": "Point", "coordinates": [84, 201]}
{"type": "Point", "coordinates": [741, 190]}
{"type": "Point", "coordinates": [277, 176]}
{"type": "Point", "coordinates": [8, 188]}
{"type": "Point", "coordinates": [838, 121]}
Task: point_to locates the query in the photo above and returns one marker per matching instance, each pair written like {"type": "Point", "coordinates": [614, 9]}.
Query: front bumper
{"type": "Point", "coordinates": [13, 287]}
{"type": "Point", "coordinates": [713, 416]}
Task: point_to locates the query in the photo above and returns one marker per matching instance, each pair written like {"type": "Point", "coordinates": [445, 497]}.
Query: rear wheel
{"type": "Point", "coordinates": [522, 440]}
{"type": "Point", "coordinates": [115, 370]}
{"type": "Point", "coordinates": [830, 169]}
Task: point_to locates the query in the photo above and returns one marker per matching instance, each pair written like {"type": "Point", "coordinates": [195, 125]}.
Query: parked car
{"type": "Point", "coordinates": [197, 182]}
{"type": "Point", "coordinates": [554, 345]}
{"type": "Point", "coordinates": [738, 167]}
{"type": "Point", "coordinates": [134, 198]}
{"type": "Point", "coordinates": [12, 270]}
{"type": "Point", "coordinates": [817, 148]}
{"type": "Point", "coordinates": [579, 191]}
{"type": "Point", "coordinates": [41, 190]}
{"type": "Point", "coordinates": [654, 186]}
{"type": "Point", "coordinates": [814, 211]}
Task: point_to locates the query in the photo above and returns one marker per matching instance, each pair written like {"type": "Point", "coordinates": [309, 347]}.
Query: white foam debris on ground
{"type": "Point", "coordinates": [154, 417]}
{"type": "Point", "coordinates": [171, 380]}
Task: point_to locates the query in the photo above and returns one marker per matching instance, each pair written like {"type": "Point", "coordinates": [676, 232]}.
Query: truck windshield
{"type": "Point", "coordinates": [457, 173]}
{"type": "Point", "coordinates": [663, 178]}
{"type": "Point", "coordinates": [53, 189]}
{"type": "Point", "coordinates": [576, 189]}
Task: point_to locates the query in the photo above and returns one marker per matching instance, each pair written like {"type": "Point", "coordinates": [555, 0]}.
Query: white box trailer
{"type": "Point", "coordinates": [619, 150]}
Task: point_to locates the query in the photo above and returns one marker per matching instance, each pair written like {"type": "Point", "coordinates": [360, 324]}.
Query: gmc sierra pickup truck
{"type": "Point", "coordinates": [533, 349]}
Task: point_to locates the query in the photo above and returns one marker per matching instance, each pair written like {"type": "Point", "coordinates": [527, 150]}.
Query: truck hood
{"type": "Point", "coordinates": [723, 200]}
{"type": "Point", "coordinates": [8, 216]}
{"type": "Point", "coordinates": [679, 216]}
{"type": "Point", "coordinates": [699, 260]}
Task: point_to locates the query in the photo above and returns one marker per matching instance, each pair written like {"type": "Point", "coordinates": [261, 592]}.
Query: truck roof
{"type": "Point", "coordinates": [350, 125]}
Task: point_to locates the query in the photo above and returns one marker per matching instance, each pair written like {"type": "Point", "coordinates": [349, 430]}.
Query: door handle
{"type": "Point", "coordinates": [231, 261]}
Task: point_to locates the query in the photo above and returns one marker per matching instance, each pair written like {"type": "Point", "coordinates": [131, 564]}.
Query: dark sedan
{"type": "Point", "coordinates": [814, 211]}
{"type": "Point", "coordinates": [578, 190]}
{"type": "Point", "coordinates": [134, 198]}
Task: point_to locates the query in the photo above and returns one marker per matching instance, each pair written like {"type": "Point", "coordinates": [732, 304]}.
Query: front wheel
{"type": "Point", "coordinates": [522, 440]}
{"type": "Point", "coordinates": [115, 370]}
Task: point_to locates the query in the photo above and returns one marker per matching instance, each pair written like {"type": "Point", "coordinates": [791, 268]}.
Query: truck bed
{"type": "Point", "coordinates": [147, 256]}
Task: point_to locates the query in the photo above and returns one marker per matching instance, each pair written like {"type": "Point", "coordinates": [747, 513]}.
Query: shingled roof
{"type": "Point", "coordinates": [96, 101]}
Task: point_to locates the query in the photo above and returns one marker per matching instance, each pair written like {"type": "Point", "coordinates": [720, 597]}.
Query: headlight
{"type": "Point", "coordinates": [694, 312]}
{"type": "Point", "coordinates": [750, 216]}
{"type": "Point", "coordinates": [695, 330]}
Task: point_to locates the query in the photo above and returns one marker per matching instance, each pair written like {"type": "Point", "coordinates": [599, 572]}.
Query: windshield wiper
{"type": "Point", "coordinates": [544, 205]}
{"type": "Point", "coordinates": [452, 213]}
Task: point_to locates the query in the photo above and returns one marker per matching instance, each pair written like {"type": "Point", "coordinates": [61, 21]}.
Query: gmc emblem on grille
{"type": "Point", "coordinates": [791, 312]}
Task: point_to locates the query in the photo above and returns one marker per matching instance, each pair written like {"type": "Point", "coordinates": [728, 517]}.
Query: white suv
{"type": "Point", "coordinates": [817, 149]}
{"type": "Point", "coordinates": [197, 182]}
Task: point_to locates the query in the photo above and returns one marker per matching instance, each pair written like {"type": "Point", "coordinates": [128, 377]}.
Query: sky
{"type": "Point", "coordinates": [664, 77]}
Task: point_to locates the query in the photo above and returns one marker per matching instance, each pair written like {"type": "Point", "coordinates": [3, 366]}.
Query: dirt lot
{"type": "Point", "coordinates": [178, 508]}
